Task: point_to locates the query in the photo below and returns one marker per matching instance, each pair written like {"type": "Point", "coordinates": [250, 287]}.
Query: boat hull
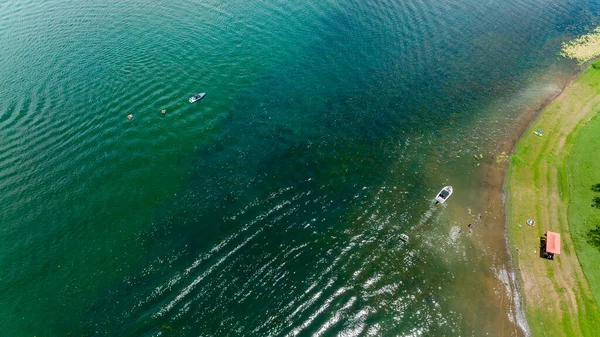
{"type": "Point", "coordinates": [444, 194]}
{"type": "Point", "coordinates": [195, 98]}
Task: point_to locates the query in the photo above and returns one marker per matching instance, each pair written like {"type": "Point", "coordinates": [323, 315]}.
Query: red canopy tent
{"type": "Point", "coordinates": [552, 242]}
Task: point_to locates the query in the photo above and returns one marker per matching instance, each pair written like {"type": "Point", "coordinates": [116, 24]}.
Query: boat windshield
{"type": "Point", "coordinates": [444, 194]}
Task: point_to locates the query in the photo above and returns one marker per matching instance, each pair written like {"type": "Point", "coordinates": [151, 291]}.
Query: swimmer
{"type": "Point", "coordinates": [164, 112]}
{"type": "Point", "coordinates": [129, 116]}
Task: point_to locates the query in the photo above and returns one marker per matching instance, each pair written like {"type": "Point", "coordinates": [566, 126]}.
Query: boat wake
{"type": "Point", "coordinates": [430, 212]}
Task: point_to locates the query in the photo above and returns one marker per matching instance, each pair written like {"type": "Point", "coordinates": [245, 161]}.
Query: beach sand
{"type": "Point", "coordinates": [493, 240]}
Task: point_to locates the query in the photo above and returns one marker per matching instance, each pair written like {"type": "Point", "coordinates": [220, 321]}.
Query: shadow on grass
{"type": "Point", "coordinates": [542, 247]}
{"type": "Point", "coordinates": [593, 237]}
{"type": "Point", "coordinates": [596, 202]}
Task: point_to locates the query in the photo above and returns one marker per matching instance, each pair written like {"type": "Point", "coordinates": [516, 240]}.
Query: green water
{"type": "Point", "coordinates": [273, 206]}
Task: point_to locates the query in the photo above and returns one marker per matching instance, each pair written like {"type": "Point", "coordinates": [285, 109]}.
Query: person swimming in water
{"type": "Point", "coordinates": [129, 116]}
{"type": "Point", "coordinates": [164, 112]}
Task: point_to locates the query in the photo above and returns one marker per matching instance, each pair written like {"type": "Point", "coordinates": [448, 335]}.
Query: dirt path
{"type": "Point", "coordinates": [558, 300]}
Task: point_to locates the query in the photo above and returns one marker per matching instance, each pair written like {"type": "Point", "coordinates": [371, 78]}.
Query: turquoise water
{"type": "Point", "coordinates": [273, 206]}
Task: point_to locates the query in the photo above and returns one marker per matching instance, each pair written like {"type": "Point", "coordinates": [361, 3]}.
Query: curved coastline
{"type": "Point", "coordinates": [556, 295]}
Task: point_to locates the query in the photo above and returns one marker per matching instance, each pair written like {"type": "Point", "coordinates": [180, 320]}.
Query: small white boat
{"type": "Point", "coordinates": [197, 97]}
{"type": "Point", "coordinates": [404, 237]}
{"type": "Point", "coordinates": [444, 194]}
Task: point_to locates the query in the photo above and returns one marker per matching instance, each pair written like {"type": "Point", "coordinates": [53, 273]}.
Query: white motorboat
{"type": "Point", "coordinates": [444, 194]}
{"type": "Point", "coordinates": [197, 97]}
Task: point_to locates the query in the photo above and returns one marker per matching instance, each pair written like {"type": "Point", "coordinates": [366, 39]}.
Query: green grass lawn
{"type": "Point", "coordinates": [583, 167]}
{"type": "Point", "coordinates": [549, 179]}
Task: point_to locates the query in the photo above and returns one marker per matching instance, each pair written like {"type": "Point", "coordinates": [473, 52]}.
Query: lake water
{"type": "Point", "coordinates": [274, 206]}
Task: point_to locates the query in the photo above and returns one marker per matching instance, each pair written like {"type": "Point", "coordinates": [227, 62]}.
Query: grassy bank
{"type": "Point", "coordinates": [584, 186]}
{"type": "Point", "coordinates": [558, 299]}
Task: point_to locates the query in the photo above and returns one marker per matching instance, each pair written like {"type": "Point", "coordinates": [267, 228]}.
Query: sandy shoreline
{"type": "Point", "coordinates": [553, 293]}
{"type": "Point", "coordinates": [493, 199]}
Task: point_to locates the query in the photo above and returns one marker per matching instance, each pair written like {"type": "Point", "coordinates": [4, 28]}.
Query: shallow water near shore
{"type": "Point", "coordinates": [274, 206]}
